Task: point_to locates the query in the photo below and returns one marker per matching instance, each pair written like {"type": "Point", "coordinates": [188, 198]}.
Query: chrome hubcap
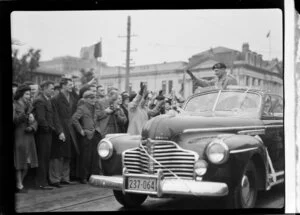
{"type": "Point", "coordinates": [245, 189]}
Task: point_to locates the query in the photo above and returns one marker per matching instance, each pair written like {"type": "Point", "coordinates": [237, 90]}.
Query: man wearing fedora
{"type": "Point", "coordinates": [222, 79]}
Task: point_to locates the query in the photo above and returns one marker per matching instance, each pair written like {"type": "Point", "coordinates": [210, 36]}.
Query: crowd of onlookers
{"type": "Point", "coordinates": [57, 127]}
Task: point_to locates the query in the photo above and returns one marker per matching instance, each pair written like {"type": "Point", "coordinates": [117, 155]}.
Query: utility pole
{"type": "Point", "coordinates": [128, 53]}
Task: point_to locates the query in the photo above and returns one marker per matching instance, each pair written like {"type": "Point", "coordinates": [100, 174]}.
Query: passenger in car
{"type": "Point", "coordinates": [222, 80]}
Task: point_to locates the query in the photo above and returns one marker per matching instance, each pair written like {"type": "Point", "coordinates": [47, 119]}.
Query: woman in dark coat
{"type": "Point", "coordinates": [24, 127]}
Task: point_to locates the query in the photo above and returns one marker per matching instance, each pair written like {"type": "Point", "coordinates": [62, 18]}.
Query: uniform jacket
{"type": "Point", "coordinates": [63, 111]}
{"type": "Point", "coordinates": [220, 83]}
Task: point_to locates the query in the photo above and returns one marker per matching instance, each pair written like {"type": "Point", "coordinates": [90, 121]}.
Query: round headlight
{"type": "Point", "coordinates": [105, 149]}
{"type": "Point", "coordinates": [200, 167]}
{"type": "Point", "coordinates": [217, 152]}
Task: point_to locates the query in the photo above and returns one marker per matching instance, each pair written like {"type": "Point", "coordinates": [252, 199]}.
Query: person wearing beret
{"type": "Point", "coordinates": [64, 148]}
{"type": "Point", "coordinates": [25, 155]}
{"type": "Point", "coordinates": [44, 115]}
{"type": "Point", "coordinates": [84, 123]}
{"type": "Point", "coordinates": [222, 81]}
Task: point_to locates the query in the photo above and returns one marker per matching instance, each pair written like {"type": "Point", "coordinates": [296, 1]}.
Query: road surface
{"type": "Point", "coordinates": [83, 197]}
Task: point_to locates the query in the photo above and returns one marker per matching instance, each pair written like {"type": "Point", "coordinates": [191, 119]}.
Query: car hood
{"type": "Point", "coordinates": [169, 127]}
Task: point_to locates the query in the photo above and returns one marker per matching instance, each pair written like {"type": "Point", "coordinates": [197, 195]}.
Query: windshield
{"type": "Point", "coordinates": [233, 102]}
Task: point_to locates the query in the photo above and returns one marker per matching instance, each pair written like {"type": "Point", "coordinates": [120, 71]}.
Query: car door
{"type": "Point", "coordinates": [272, 117]}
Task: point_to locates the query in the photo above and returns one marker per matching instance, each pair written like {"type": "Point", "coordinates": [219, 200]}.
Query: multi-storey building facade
{"type": "Point", "coordinates": [164, 76]}
{"type": "Point", "coordinates": [248, 67]}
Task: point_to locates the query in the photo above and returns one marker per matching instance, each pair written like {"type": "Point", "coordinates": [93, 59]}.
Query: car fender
{"type": "Point", "coordinates": [120, 142]}
{"type": "Point", "coordinates": [242, 149]}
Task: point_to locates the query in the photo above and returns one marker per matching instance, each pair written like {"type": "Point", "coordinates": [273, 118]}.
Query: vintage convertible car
{"type": "Point", "coordinates": [227, 144]}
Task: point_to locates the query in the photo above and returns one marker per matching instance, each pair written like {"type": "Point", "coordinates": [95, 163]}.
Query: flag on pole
{"type": "Point", "coordinates": [97, 50]}
{"type": "Point", "coordinates": [268, 34]}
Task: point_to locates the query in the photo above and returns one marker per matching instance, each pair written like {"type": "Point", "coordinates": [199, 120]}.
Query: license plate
{"type": "Point", "coordinates": [142, 184]}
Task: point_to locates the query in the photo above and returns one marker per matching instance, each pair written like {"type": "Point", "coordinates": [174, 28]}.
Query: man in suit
{"type": "Point", "coordinates": [64, 105]}
{"type": "Point", "coordinates": [84, 122]}
{"type": "Point", "coordinates": [44, 115]}
{"type": "Point", "coordinates": [222, 79]}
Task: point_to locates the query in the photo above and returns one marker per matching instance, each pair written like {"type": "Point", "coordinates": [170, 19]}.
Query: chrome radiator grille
{"type": "Point", "coordinates": [168, 154]}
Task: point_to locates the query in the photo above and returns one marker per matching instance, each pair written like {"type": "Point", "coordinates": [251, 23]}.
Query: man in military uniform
{"type": "Point", "coordinates": [222, 79]}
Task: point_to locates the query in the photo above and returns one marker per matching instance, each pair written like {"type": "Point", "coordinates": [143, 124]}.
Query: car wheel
{"type": "Point", "coordinates": [129, 200]}
{"type": "Point", "coordinates": [244, 193]}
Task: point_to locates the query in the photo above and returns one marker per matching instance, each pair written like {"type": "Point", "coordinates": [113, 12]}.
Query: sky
{"type": "Point", "coordinates": [160, 35]}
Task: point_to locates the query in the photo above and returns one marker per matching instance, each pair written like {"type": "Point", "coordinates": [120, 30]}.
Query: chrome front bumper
{"type": "Point", "coordinates": [166, 186]}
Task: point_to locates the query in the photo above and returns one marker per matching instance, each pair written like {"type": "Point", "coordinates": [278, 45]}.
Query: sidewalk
{"type": "Point", "coordinates": [37, 200]}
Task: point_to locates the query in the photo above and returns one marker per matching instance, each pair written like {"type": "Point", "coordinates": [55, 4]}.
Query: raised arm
{"type": "Point", "coordinates": [198, 81]}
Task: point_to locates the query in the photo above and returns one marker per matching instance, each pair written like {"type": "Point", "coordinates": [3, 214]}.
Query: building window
{"type": "Point", "coordinates": [261, 83]}
{"type": "Point", "coordinates": [247, 81]}
{"type": "Point", "coordinates": [164, 86]}
{"type": "Point", "coordinates": [170, 86]}
{"type": "Point", "coordinates": [253, 82]}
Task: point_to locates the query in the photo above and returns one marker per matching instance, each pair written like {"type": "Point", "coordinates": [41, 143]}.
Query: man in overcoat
{"type": "Point", "coordinates": [64, 105]}
{"type": "Point", "coordinates": [43, 112]}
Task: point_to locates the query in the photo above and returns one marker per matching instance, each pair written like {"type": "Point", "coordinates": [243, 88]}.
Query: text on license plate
{"type": "Point", "coordinates": [142, 184]}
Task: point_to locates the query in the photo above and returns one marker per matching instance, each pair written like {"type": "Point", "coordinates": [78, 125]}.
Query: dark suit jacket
{"type": "Point", "coordinates": [44, 115]}
{"type": "Point", "coordinates": [63, 111]}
